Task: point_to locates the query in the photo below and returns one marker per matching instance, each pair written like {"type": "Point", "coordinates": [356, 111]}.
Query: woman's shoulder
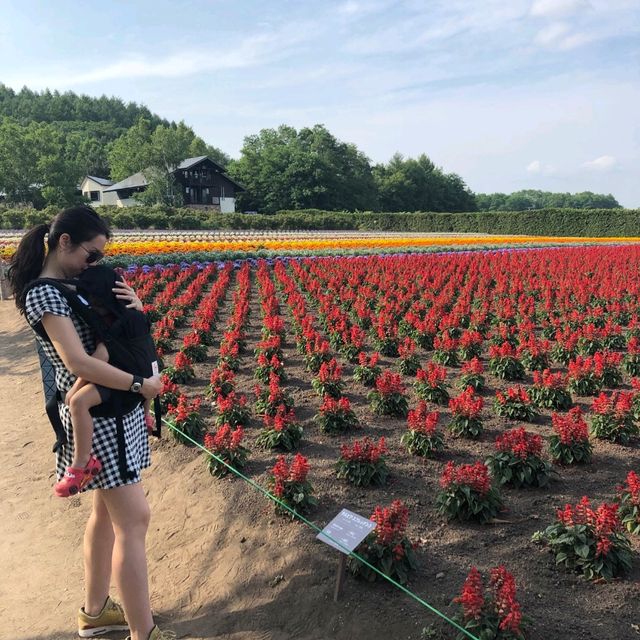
{"type": "Point", "coordinates": [45, 298]}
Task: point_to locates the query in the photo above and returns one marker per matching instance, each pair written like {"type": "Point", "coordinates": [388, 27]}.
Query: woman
{"type": "Point", "coordinates": [115, 534]}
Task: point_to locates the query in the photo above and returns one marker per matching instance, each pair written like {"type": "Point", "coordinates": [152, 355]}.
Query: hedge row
{"type": "Point", "coordinates": [551, 222]}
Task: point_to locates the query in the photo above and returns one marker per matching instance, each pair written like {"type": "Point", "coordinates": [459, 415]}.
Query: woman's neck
{"type": "Point", "coordinates": [53, 269]}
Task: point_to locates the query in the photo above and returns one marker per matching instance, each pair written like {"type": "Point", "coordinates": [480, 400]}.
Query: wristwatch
{"type": "Point", "coordinates": [137, 384]}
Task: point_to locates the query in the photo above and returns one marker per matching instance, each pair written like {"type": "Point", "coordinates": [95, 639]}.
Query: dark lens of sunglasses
{"type": "Point", "coordinates": [94, 256]}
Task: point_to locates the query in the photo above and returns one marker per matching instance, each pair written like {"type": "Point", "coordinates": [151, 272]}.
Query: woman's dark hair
{"type": "Point", "coordinates": [81, 223]}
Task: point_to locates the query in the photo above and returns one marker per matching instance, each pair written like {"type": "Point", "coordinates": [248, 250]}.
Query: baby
{"type": "Point", "coordinates": [81, 398]}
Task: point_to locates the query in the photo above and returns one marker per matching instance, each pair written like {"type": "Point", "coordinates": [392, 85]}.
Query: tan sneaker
{"type": "Point", "coordinates": [156, 634]}
{"type": "Point", "coordinates": [111, 618]}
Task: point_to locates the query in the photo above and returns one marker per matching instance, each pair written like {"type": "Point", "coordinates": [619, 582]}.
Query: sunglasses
{"type": "Point", "coordinates": [93, 255]}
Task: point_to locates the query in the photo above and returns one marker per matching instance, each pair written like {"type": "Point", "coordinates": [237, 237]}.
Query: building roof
{"type": "Point", "coordinates": [189, 162]}
{"type": "Point", "coordinates": [103, 181]}
{"type": "Point", "coordinates": [139, 180]}
{"type": "Point", "coordinates": [132, 182]}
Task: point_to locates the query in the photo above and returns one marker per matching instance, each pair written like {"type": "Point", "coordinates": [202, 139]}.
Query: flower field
{"type": "Point", "coordinates": [482, 407]}
{"type": "Point", "coordinates": [130, 246]}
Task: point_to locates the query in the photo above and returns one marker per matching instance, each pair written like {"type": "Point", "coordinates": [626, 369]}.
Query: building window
{"type": "Point", "coordinates": [95, 196]}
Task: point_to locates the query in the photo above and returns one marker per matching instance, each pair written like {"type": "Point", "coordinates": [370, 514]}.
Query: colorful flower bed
{"type": "Point", "coordinates": [133, 244]}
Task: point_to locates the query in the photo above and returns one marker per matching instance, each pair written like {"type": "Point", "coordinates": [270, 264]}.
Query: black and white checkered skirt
{"type": "Point", "coordinates": [105, 448]}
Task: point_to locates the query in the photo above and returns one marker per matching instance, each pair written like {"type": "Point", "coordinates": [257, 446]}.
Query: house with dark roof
{"type": "Point", "coordinates": [202, 181]}
{"type": "Point", "coordinates": [93, 187]}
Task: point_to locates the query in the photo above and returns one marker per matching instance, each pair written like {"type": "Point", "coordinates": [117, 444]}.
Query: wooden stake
{"type": "Point", "coordinates": [340, 576]}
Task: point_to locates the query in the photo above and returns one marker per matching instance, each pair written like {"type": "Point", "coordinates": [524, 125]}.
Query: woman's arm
{"type": "Point", "coordinates": [67, 343]}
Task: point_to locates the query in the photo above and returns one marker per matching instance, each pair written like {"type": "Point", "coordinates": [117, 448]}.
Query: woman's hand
{"type": "Point", "coordinates": [124, 292]}
{"type": "Point", "coordinates": [151, 387]}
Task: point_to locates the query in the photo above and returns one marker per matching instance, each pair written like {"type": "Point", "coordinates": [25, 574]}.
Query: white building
{"type": "Point", "coordinates": [93, 188]}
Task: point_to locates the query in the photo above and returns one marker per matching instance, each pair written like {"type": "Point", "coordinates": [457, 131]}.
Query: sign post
{"type": "Point", "coordinates": [349, 529]}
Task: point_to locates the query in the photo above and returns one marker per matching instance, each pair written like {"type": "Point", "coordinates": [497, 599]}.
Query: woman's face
{"type": "Point", "coordinates": [74, 259]}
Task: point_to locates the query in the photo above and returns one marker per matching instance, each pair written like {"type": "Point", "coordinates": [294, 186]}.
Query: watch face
{"type": "Point", "coordinates": [135, 387]}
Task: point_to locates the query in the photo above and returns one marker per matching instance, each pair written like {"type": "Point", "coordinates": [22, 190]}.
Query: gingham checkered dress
{"type": "Point", "coordinates": [47, 299]}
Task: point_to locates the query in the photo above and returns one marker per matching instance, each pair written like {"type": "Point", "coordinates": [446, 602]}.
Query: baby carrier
{"type": "Point", "coordinates": [126, 334]}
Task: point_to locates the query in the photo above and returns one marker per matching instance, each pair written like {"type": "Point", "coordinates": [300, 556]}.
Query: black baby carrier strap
{"type": "Point", "coordinates": [51, 397]}
{"type": "Point", "coordinates": [130, 346]}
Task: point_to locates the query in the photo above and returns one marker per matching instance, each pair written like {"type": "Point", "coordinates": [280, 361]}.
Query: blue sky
{"type": "Point", "coordinates": [510, 94]}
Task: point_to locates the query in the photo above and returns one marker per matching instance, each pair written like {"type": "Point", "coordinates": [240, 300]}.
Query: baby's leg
{"type": "Point", "coordinates": [84, 399]}
{"type": "Point", "coordinates": [149, 418]}
{"type": "Point", "coordinates": [102, 354]}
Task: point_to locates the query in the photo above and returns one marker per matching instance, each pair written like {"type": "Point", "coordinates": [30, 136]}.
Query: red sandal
{"type": "Point", "coordinates": [74, 479]}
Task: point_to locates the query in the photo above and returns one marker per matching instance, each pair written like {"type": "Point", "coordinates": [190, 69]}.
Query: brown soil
{"type": "Point", "coordinates": [222, 565]}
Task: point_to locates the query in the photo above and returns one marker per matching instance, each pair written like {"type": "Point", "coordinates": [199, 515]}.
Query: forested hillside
{"type": "Point", "coordinates": [50, 140]}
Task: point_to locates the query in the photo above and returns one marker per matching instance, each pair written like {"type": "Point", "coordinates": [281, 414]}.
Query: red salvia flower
{"type": "Point", "coordinates": [434, 375]}
{"type": "Point", "coordinates": [364, 450]}
{"type": "Point", "coordinates": [475, 476]}
{"type": "Point", "coordinates": [391, 523]}
{"type": "Point", "coordinates": [472, 596]}
{"type": "Point", "coordinates": [422, 419]}
{"type": "Point", "coordinates": [299, 468]}
{"type": "Point", "coordinates": [520, 443]}
{"type": "Point", "coordinates": [473, 366]}
{"type": "Point", "coordinates": [571, 428]}
{"type": "Point", "coordinates": [467, 404]}
{"type": "Point", "coordinates": [389, 383]}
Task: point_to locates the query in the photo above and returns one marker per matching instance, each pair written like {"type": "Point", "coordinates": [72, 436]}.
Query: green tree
{"type": "Point", "coordinates": [18, 160]}
{"type": "Point", "coordinates": [36, 165]}
{"type": "Point", "coordinates": [418, 185]}
{"type": "Point", "coordinates": [162, 188]}
{"type": "Point", "coordinates": [57, 172]}
{"type": "Point", "coordinates": [131, 152]}
{"type": "Point", "coordinates": [536, 199]}
{"type": "Point", "coordinates": [287, 169]}
{"type": "Point", "coordinates": [47, 106]}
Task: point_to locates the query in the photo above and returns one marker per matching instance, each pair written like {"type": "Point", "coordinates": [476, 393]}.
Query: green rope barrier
{"type": "Point", "coordinates": [255, 485]}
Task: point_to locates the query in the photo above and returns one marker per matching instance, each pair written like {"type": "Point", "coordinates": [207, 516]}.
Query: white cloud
{"type": "Point", "coordinates": [603, 163]}
{"type": "Point", "coordinates": [349, 8]}
{"type": "Point", "coordinates": [352, 10]}
{"type": "Point", "coordinates": [558, 8]}
{"type": "Point", "coordinates": [255, 50]}
{"type": "Point", "coordinates": [575, 40]}
{"type": "Point", "coordinates": [558, 35]}
{"type": "Point", "coordinates": [552, 33]}
{"type": "Point", "coordinates": [538, 168]}
{"type": "Point", "coordinates": [432, 27]}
